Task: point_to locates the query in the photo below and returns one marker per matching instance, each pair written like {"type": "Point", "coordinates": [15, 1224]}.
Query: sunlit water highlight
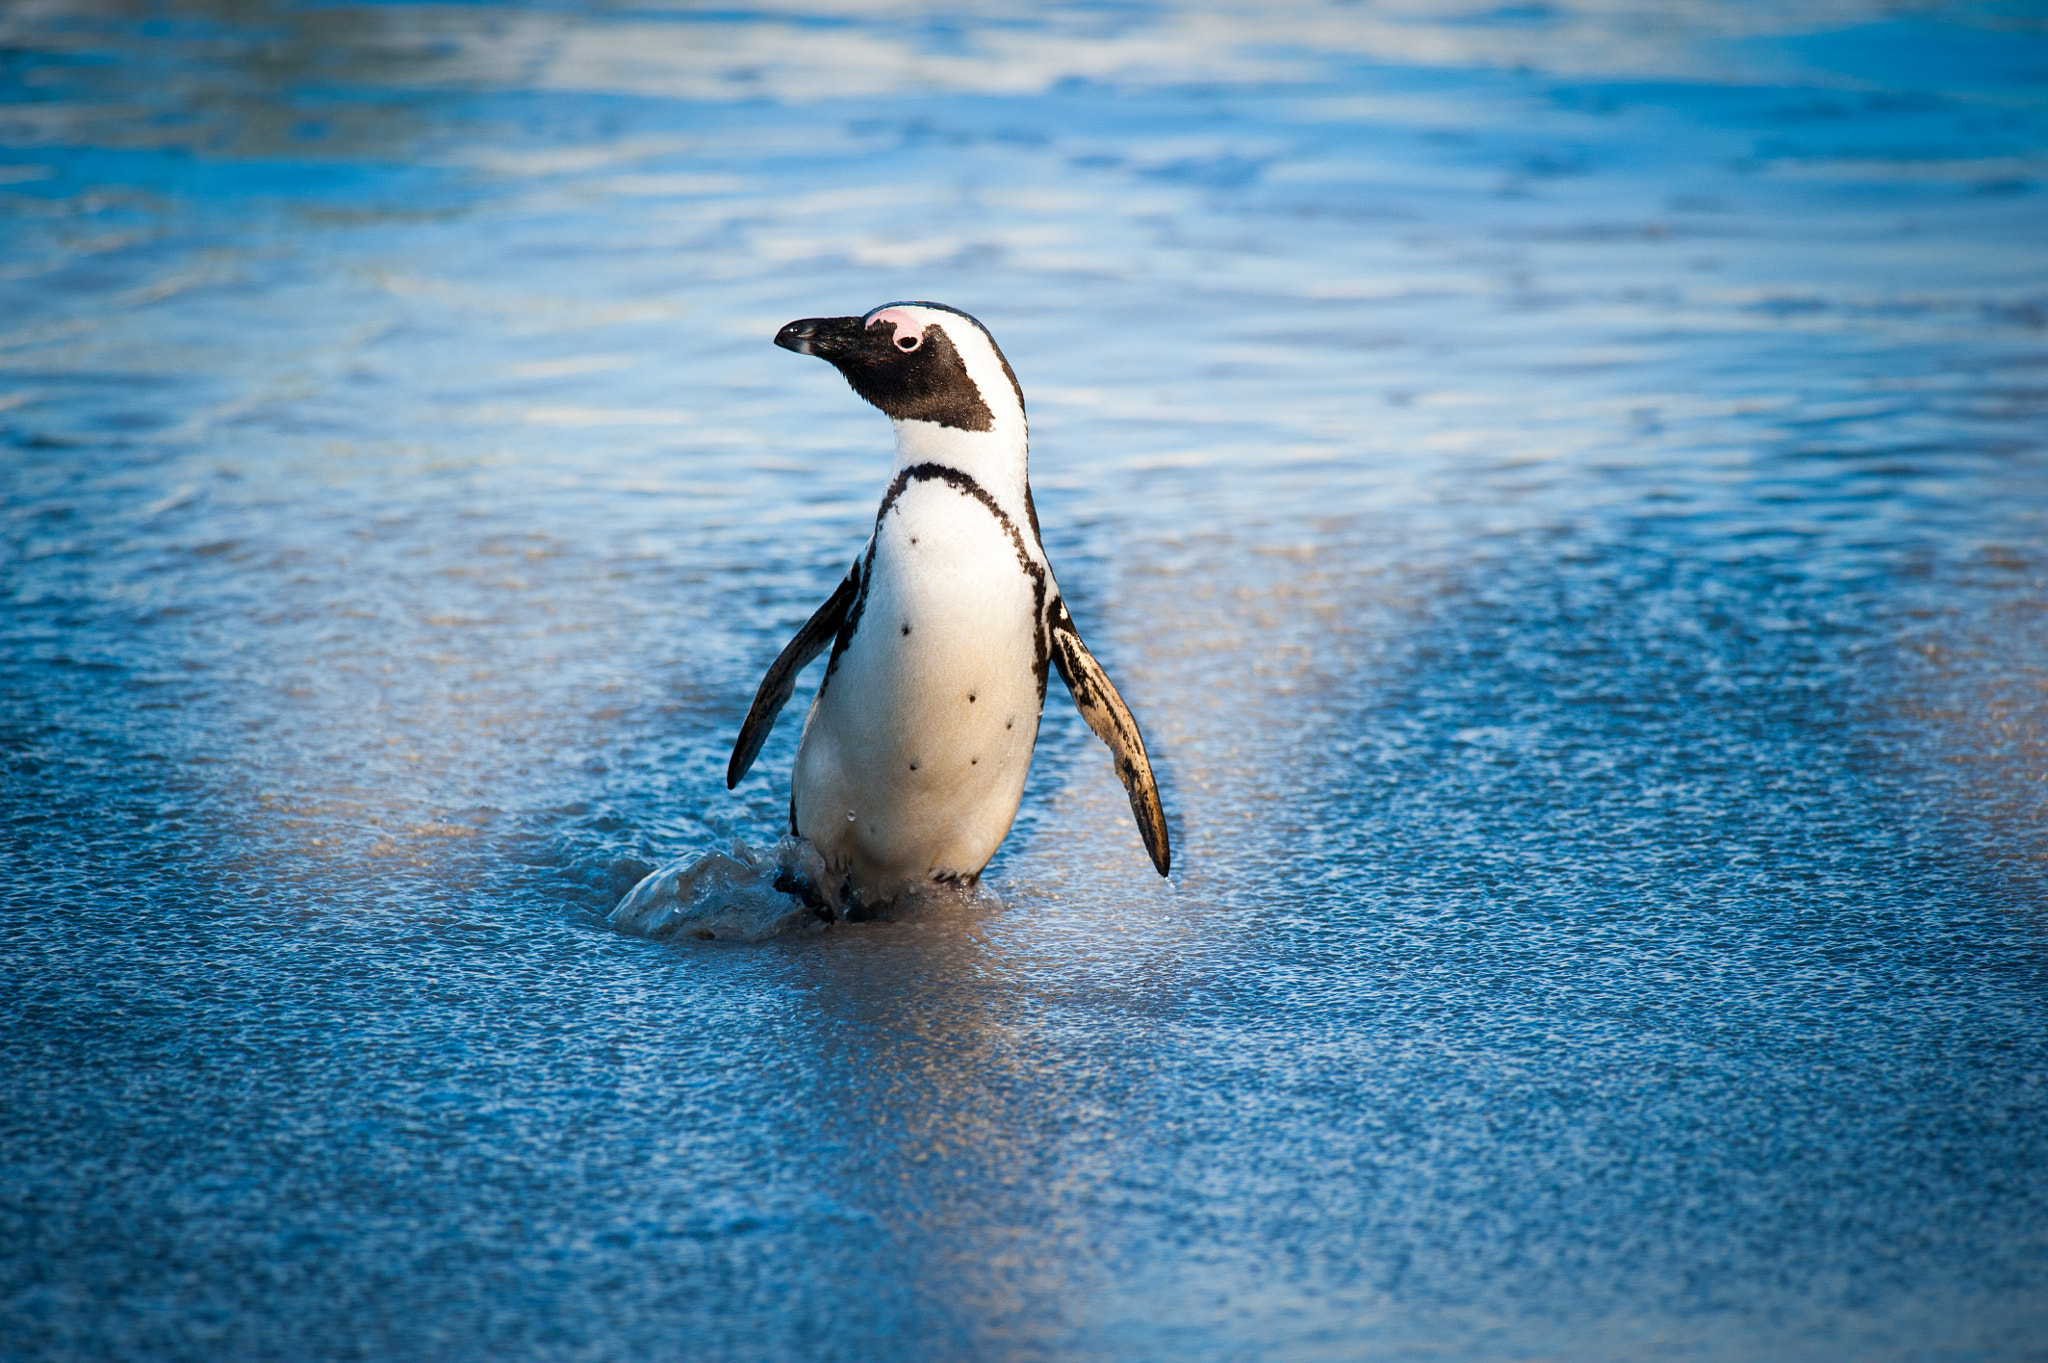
{"type": "Point", "coordinates": [1563, 486]}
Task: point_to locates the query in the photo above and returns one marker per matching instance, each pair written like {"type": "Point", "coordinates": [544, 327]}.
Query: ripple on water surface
{"type": "Point", "coordinates": [1563, 488]}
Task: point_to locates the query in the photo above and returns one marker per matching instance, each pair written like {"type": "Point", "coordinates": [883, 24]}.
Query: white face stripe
{"type": "Point", "coordinates": [996, 457]}
{"type": "Point", "coordinates": [977, 351]}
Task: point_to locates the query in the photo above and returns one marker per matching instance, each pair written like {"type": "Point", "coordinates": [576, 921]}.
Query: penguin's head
{"type": "Point", "coordinates": [915, 361]}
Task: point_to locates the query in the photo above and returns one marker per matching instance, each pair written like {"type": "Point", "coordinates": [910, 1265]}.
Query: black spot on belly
{"type": "Point", "coordinates": [1010, 724]}
{"type": "Point", "coordinates": [913, 766]}
{"type": "Point", "coordinates": [974, 761]}
{"type": "Point", "coordinates": [906, 627]}
{"type": "Point", "coordinates": [970, 698]}
{"type": "Point", "coordinates": [913, 539]}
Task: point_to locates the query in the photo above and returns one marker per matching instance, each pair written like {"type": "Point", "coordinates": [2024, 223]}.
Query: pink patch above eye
{"type": "Point", "coordinates": [905, 326]}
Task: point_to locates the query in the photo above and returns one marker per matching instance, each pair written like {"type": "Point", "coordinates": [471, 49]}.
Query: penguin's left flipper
{"type": "Point", "coordinates": [818, 631]}
{"type": "Point", "coordinates": [1097, 699]}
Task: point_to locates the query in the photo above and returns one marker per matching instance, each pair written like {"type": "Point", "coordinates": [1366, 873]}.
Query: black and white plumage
{"type": "Point", "coordinates": [914, 755]}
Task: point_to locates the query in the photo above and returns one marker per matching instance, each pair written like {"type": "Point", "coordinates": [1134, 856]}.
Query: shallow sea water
{"type": "Point", "coordinates": [1564, 487]}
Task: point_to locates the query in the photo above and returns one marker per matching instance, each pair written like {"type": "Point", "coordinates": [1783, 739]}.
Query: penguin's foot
{"type": "Point", "coordinates": [749, 896]}
{"type": "Point", "coordinates": [790, 883]}
{"type": "Point", "coordinates": [944, 887]}
{"type": "Point", "coordinates": [858, 910]}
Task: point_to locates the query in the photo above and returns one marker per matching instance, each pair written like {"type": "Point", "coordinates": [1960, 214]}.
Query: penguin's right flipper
{"type": "Point", "coordinates": [1095, 696]}
{"type": "Point", "coordinates": [818, 631]}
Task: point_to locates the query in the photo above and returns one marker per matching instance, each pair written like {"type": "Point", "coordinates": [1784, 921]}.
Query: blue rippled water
{"type": "Point", "coordinates": [1565, 487]}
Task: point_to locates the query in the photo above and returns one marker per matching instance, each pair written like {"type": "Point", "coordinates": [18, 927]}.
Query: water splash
{"type": "Point", "coordinates": [741, 896]}
{"type": "Point", "coordinates": [752, 896]}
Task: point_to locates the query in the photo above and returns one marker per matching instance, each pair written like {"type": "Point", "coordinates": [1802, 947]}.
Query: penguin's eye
{"type": "Point", "coordinates": [908, 342]}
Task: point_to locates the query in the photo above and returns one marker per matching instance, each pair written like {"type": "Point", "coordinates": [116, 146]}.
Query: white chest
{"type": "Point", "coordinates": [914, 756]}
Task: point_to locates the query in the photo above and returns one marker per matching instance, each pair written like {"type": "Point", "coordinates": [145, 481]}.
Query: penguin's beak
{"type": "Point", "coordinates": [829, 338]}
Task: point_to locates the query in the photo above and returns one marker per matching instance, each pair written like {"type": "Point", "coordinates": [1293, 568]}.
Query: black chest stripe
{"type": "Point", "coordinates": [966, 485]}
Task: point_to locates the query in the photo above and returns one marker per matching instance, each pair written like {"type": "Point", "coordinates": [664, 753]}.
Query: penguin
{"type": "Point", "coordinates": [914, 754]}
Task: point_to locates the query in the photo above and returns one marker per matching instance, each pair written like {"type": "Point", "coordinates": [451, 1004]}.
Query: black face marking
{"type": "Point", "coordinates": [974, 322]}
{"type": "Point", "coordinates": [926, 381]}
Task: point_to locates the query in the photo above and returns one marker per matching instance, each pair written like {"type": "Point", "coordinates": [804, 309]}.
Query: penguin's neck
{"type": "Point", "coordinates": [993, 458]}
